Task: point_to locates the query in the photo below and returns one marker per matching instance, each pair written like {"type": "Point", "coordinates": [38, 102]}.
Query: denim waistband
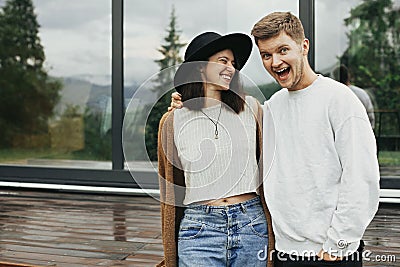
{"type": "Point", "coordinates": [242, 206]}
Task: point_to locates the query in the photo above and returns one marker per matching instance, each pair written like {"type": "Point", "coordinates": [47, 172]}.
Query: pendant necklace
{"type": "Point", "coordinates": [215, 123]}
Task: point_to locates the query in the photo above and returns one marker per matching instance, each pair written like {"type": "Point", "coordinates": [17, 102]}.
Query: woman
{"type": "Point", "coordinates": [212, 205]}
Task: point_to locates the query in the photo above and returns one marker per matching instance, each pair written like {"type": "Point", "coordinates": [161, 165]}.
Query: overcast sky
{"type": "Point", "coordinates": [150, 19]}
{"type": "Point", "coordinates": [76, 35]}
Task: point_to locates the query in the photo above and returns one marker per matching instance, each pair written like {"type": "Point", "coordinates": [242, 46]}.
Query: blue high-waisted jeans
{"type": "Point", "coordinates": [234, 235]}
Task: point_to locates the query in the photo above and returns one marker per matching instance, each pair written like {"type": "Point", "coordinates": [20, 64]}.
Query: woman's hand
{"type": "Point", "coordinates": [176, 101]}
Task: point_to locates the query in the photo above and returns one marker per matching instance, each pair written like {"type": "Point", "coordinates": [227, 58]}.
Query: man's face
{"type": "Point", "coordinates": [284, 59]}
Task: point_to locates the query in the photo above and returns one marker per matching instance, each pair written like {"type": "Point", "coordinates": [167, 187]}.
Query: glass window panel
{"type": "Point", "coordinates": [146, 24]}
{"type": "Point", "coordinates": [363, 36]}
{"type": "Point", "coordinates": [73, 128]}
{"type": "Point", "coordinates": [331, 39]}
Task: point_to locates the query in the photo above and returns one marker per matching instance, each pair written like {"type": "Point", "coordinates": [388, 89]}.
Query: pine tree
{"type": "Point", "coordinates": [27, 94]}
{"type": "Point", "coordinates": [170, 51]}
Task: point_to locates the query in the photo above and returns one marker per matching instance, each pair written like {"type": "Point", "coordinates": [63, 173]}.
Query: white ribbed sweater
{"type": "Point", "coordinates": [217, 168]}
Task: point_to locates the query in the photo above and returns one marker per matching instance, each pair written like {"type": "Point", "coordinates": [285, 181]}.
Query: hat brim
{"type": "Point", "coordinates": [240, 44]}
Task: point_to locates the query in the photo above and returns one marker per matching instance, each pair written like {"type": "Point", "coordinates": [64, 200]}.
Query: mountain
{"type": "Point", "coordinates": [79, 91]}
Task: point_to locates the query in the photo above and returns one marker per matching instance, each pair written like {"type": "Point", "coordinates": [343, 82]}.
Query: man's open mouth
{"type": "Point", "coordinates": [283, 73]}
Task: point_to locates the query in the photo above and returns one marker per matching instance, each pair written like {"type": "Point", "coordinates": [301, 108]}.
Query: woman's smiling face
{"type": "Point", "coordinates": [220, 69]}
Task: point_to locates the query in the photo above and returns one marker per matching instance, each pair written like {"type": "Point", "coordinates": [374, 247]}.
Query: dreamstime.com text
{"type": "Point", "coordinates": [366, 255]}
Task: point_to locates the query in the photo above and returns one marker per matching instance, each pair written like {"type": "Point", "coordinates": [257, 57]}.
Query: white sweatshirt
{"type": "Point", "coordinates": [321, 174]}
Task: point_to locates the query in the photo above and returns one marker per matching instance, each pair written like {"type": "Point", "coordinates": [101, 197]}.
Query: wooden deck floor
{"type": "Point", "coordinates": [70, 229]}
{"type": "Point", "coordinates": [46, 228]}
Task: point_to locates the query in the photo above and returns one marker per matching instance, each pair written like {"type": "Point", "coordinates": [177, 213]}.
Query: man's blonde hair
{"type": "Point", "coordinates": [273, 24]}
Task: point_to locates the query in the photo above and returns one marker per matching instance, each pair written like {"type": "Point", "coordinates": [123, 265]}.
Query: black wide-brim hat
{"type": "Point", "coordinates": [207, 44]}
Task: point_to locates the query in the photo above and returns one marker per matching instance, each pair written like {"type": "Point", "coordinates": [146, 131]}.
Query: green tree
{"type": "Point", "coordinates": [27, 94]}
{"type": "Point", "coordinates": [373, 55]}
{"type": "Point", "coordinates": [170, 51]}
{"type": "Point", "coordinates": [97, 146]}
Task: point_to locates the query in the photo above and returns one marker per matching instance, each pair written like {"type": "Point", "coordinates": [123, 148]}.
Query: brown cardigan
{"type": "Point", "coordinates": [171, 197]}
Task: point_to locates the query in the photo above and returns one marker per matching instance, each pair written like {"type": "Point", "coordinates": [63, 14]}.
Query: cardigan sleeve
{"type": "Point", "coordinates": [162, 162]}
{"type": "Point", "coordinates": [172, 188]}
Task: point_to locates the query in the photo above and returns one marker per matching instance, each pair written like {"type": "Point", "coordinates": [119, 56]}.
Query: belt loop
{"type": "Point", "coordinates": [243, 208]}
{"type": "Point", "coordinates": [208, 209]}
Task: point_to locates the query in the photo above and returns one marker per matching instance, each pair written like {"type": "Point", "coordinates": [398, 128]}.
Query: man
{"type": "Point", "coordinates": [322, 187]}
{"type": "Point", "coordinates": [342, 74]}
{"type": "Point", "coordinates": [321, 179]}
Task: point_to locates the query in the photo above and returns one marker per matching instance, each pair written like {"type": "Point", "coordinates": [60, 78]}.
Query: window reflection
{"type": "Point", "coordinates": [56, 83]}
{"type": "Point", "coordinates": [362, 36]}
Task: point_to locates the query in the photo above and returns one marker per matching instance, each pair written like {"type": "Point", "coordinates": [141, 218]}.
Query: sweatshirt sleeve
{"type": "Point", "coordinates": [359, 186]}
